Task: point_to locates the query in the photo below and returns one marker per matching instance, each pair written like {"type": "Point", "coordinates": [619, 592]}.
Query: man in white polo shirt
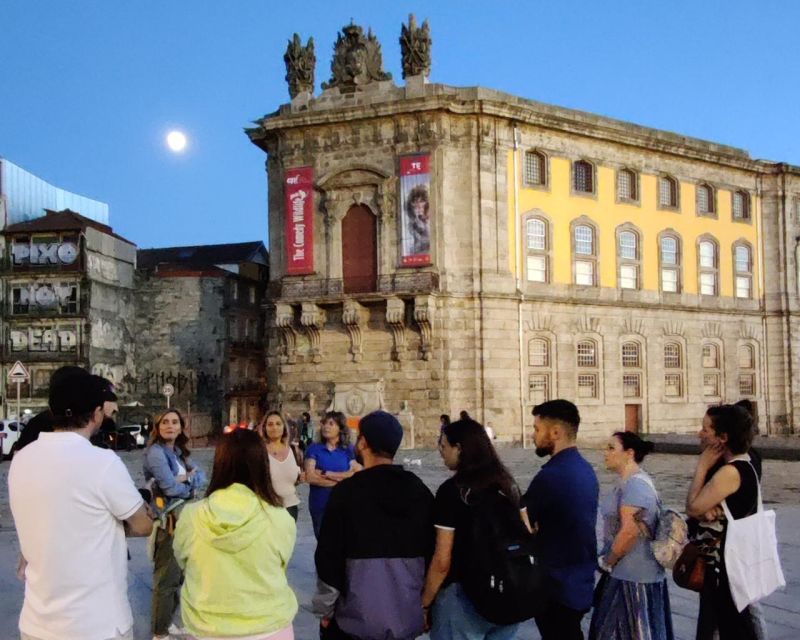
{"type": "Point", "coordinates": [72, 505]}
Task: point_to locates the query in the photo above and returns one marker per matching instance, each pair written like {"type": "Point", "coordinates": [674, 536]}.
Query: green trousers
{"type": "Point", "coordinates": [167, 578]}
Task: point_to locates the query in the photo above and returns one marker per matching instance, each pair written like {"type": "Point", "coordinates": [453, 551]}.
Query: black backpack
{"type": "Point", "coordinates": [503, 578]}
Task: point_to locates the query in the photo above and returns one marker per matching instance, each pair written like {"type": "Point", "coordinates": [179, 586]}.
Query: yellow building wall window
{"type": "Point", "coordinates": [562, 206]}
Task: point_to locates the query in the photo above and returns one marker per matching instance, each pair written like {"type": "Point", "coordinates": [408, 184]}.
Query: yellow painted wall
{"type": "Point", "coordinates": [562, 208]}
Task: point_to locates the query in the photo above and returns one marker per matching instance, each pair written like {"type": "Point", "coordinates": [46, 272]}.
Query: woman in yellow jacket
{"type": "Point", "coordinates": [234, 547]}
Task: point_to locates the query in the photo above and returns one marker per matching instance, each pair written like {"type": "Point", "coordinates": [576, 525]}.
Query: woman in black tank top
{"type": "Point", "coordinates": [726, 434]}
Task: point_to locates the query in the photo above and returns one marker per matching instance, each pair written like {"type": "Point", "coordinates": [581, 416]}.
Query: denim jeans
{"type": "Point", "coordinates": [454, 618]}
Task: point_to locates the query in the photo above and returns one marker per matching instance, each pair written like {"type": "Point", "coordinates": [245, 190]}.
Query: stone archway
{"type": "Point", "coordinates": [359, 250]}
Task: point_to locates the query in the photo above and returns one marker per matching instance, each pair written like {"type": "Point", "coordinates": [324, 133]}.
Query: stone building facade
{"type": "Point", "coordinates": [67, 287]}
{"type": "Point", "coordinates": [200, 328]}
{"type": "Point", "coordinates": [643, 274]}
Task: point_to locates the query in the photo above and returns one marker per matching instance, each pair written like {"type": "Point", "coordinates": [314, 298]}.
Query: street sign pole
{"type": "Point", "coordinates": [19, 408]}
{"type": "Point", "coordinates": [18, 374]}
{"type": "Point", "coordinates": [167, 390]}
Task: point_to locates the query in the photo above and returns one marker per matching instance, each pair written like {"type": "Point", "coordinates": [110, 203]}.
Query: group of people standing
{"type": "Point", "coordinates": [393, 560]}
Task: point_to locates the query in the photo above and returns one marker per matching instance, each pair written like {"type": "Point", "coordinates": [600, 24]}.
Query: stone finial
{"type": "Point", "coordinates": [415, 46]}
{"type": "Point", "coordinates": [357, 59]}
{"type": "Point", "coordinates": [300, 63]}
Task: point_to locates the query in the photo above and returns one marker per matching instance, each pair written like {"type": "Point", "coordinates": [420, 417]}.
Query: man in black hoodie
{"type": "Point", "coordinates": [376, 541]}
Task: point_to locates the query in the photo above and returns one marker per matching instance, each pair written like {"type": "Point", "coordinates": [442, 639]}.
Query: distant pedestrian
{"type": "Point", "coordinates": [726, 435]}
{"type": "Point", "coordinates": [328, 462]}
{"type": "Point", "coordinates": [234, 547]}
{"type": "Point", "coordinates": [631, 599]}
{"type": "Point", "coordinates": [306, 430]}
{"type": "Point", "coordinates": [73, 504]}
{"type": "Point", "coordinates": [562, 502]}
{"type": "Point", "coordinates": [444, 420]}
{"type": "Point", "coordinates": [285, 461]}
{"type": "Point", "coordinates": [375, 542]}
{"type": "Point", "coordinates": [479, 476]}
{"type": "Point", "coordinates": [168, 464]}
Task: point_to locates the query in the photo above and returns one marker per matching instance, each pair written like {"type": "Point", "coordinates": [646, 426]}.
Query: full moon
{"type": "Point", "coordinates": [176, 141]}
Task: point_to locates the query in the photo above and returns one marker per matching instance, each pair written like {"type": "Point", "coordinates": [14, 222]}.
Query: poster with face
{"type": "Point", "coordinates": [415, 215]}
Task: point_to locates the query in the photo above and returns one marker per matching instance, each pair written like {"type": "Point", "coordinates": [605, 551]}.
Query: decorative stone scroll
{"type": "Point", "coordinates": [396, 319]}
{"type": "Point", "coordinates": [415, 46]}
{"type": "Point", "coordinates": [284, 320]}
{"type": "Point", "coordinates": [312, 318]}
{"type": "Point", "coordinates": [354, 317]}
{"type": "Point", "coordinates": [424, 309]}
{"type": "Point", "coordinates": [300, 63]}
{"type": "Point", "coordinates": [357, 59]}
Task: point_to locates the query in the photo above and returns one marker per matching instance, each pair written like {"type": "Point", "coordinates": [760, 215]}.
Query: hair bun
{"type": "Point", "coordinates": [648, 446]}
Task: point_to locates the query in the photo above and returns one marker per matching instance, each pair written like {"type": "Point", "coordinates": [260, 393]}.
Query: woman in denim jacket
{"type": "Point", "coordinates": [168, 465]}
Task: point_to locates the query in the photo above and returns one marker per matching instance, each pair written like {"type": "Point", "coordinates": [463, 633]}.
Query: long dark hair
{"type": "Point", "coordinates": [181, 442]}
{"type": "Point", "coordinates": [630, 440]}
{"type": "Point", "coordinates": [479, 466]}
{"type": "Point", "coordinates": [345, 435]}
{"type": "Point", "coordinates": [242, 457]}
{"type": "Point", "coordinates": [734, 421]}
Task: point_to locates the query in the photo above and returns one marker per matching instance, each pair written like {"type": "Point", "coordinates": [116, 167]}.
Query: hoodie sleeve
{"type": "Point", "coordinates": [330, 557]}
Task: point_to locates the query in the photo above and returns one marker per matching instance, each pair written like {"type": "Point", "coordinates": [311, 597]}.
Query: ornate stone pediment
{"type": "Point", "coordinates": [354, 186]}
{"type": "Point", "coordinates": [357, 399]}
{"type": "Point", "coordinates": [357, 59]}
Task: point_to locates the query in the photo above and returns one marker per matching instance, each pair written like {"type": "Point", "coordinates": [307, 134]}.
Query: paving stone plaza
{"type": "Point", "coordinates": [672, 474]}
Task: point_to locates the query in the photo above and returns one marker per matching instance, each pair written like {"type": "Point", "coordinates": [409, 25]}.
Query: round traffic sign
{"type": "Point", "coordinates": [168, 390]}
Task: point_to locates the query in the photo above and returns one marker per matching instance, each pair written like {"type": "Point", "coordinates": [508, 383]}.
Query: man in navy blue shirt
{"type": "Point", "coordinates": [562, 506]}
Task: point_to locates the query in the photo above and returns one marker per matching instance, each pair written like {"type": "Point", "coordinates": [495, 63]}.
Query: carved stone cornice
{"type": "Point", "coordinates": [312, 319]}
{"type": "Point", "coordinates": [424, 310]}
{"type": "Point", "coordinates": [284, 321]}
{"type": "Point", "coordinates": [354, 317]}
{"type": "Point", "coordinates": [396, 319]}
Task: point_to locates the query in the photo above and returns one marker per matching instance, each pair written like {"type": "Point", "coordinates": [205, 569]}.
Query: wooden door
{"type": "Point", "coordinates": [633, 415]}
{"type": "Point", "coordinates": [359, 250]}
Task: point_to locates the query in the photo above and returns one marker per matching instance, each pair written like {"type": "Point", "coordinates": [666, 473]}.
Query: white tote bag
{"type": "Point", "coordinates": [751, 555]}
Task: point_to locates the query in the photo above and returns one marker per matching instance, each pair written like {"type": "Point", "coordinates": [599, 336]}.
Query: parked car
{"type": "Point", "coordinates": [136, 431]}
{"type": "Point", "coordinates": [9, 434]}
{"type": "Point", "coordinates": [115, 439]}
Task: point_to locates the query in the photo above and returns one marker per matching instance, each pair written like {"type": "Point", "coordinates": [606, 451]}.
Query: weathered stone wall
{"type": "Point", "coordinates": [179, 339]}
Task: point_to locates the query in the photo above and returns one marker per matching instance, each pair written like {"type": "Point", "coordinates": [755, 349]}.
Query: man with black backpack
{"type": "Point", "coordinates": [562, 507]}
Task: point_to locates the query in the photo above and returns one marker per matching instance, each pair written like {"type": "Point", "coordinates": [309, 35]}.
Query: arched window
{"type": "Point", "coordinates": [673, 370]}
{"type": "Point", "coordinates": [536, 250]}
{"type": "Point", "coordinates": [628, 259]}
{"type": "Point", "coordinates": [583, 177]}
{"type": "Point", "coordinates": [535, 168]}
{"type": "Point", "coordinates": [712, 369]}
{"type": "Point", "coordinates": [587, 366]}
{"type": "Point", "coordinates": [741, 205]}
{"type": "Point", "coordinates": [627, 186]}
{"type": "Point", "coordinates": [585, 255]}
{"type": "Point", "coordinates": [631, 365]}
{"type": "Point", "coordinates": [540, 374]}
{"type": "Point", "coordinates": [743, 270]}
{"type": "Point", "coordinates": [747, 370]}
{"type": "Point", "coordinates": [667, 192]}
{"type": "Point", "coordinates": [705, 200]}
{"type": "Point", "coordinates": [708, 263]}
{"type": "Point", "coordinates": [670, 262]}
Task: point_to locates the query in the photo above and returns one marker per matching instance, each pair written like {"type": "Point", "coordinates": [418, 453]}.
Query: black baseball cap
{"type": "Point", "coordinates": [76, 392]}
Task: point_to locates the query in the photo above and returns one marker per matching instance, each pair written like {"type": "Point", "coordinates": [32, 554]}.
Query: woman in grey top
{"type": "Point", "coordinates": [631, 599]}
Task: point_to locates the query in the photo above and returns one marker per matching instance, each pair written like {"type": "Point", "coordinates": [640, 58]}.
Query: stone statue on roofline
{"type": "Point", "coordinates": [415, 46]}
{"type": "Point", "coordinates": [300, 63]}
{"type": "Point", "coordinates": [357, 59]}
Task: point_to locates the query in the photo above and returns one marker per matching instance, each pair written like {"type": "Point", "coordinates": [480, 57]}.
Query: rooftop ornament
{"type": "Point", "coordinates": [415, 46]}
{"type": "Point", "coordinates": [300, 63]}
{"type": "Point", "coordinates": [357, 60]}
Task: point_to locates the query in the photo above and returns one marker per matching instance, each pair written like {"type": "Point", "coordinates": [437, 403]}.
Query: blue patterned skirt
{"type": "Point", "coordinates": [625, 610]}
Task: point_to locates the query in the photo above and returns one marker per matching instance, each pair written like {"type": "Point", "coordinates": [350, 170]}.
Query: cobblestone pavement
{"type": "Point", "coordinates": [672, 474]}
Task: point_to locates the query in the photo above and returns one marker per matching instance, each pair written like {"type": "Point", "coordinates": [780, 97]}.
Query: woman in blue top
{"type": "Point", "coordinates": [631, 599]}
{"type": "Point", "coordinates": [168, 465]}
{"type": "Point", "coordinates": [329, 460]}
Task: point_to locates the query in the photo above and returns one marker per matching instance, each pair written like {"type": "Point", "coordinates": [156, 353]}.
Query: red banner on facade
{"type": "Point", "coordinates": [415, 214]}
{"type": "Point", "coordinates": [299, 191]}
